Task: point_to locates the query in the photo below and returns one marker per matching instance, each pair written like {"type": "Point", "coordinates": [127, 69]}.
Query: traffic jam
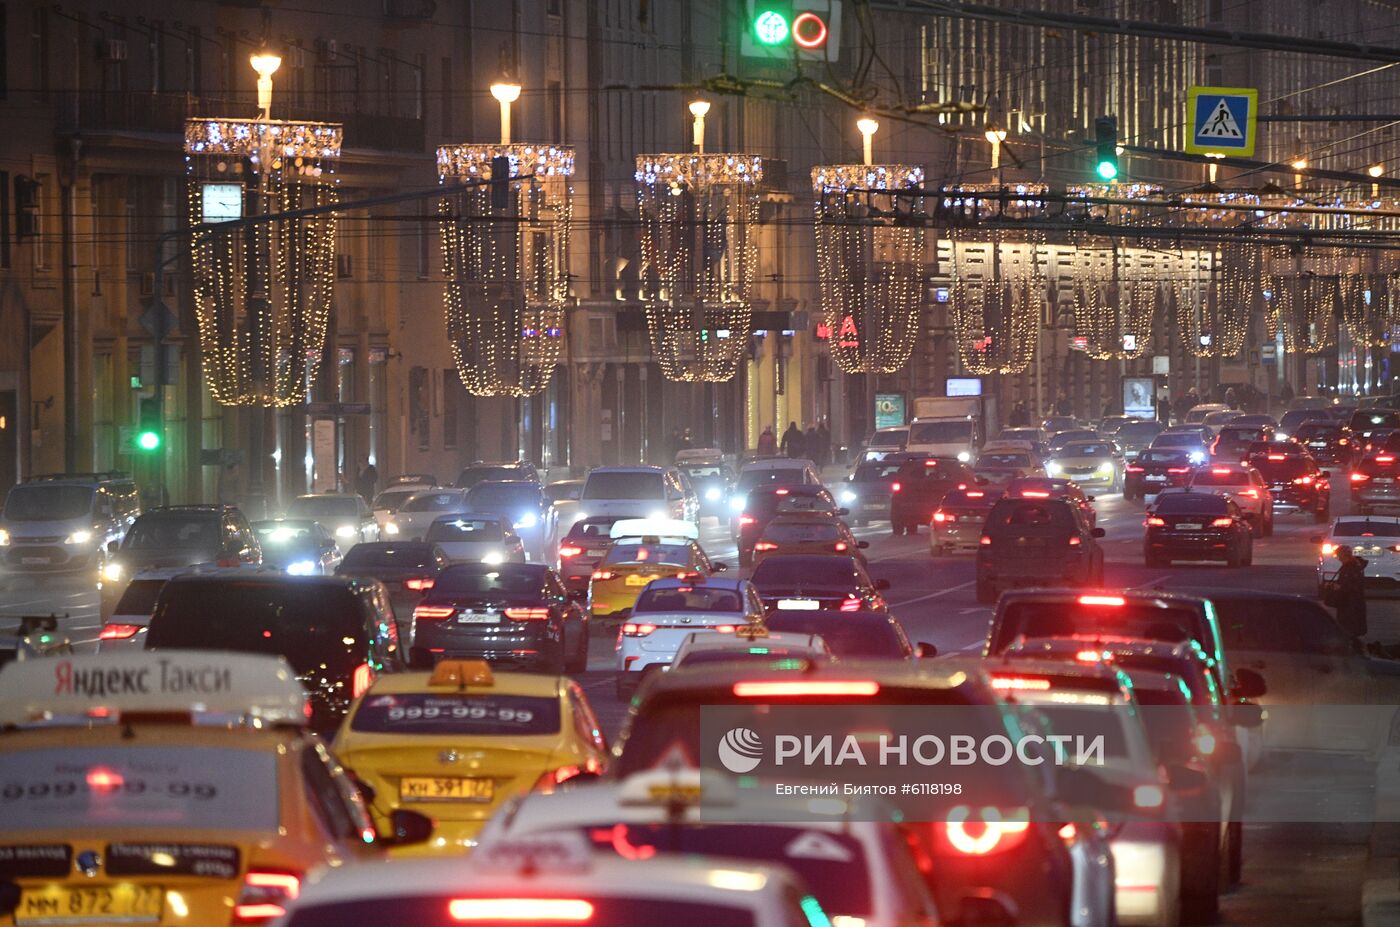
{"type": "Point", "coordinates": [488, 701]}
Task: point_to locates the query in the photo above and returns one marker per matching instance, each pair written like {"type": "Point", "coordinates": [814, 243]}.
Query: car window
{"type": "Point", "coordinates": [1087, 449]}
{"type": "Point", "coordinates": [324, 506]}
{"type": "Point", "coordinates": [673, 554]}
{"type": "Point", "coordinates": [520, 494]}
{"type": "Point", "coordinates": [1363, 528]}
{"type": "Point", "coordinates": [815, 571]}
{"type": "Point", "coordinates": [464, 528]}
{"type": "Point", "coordinates": [603, 485]}
{"type": "Point", "coordinates": [433, 502]}
{"type": "Point", "coordinates": [476, 579]}
{"type": "Point", "coordinates": [1193, 503]}
{"type": "Point", "coordinates": [48, 502]}
{"type": "Point", "coordinates": [1018, 513]}
{"type": "Point", "coordinates": [390, 556]}
{"type": "Point", "coordinates": [696, 598]}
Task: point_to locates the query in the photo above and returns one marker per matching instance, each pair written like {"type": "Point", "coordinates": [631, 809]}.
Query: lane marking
{"type": "Point", "coordinates": [934, 595]}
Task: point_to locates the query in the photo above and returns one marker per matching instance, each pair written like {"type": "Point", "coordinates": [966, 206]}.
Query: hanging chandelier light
{"type": "Point", "coordinates": [870, 259]}
{"type": "Point", "coordinates": [263, 294]}
{"type": "Point", "coordinates": [698, 215]}
{"type": "Point", "coordinates": [505, 251]}
{"type": "Point", "coordinates": [996, 315]}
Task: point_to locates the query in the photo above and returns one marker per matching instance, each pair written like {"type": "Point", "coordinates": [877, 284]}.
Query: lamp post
{"type": "Point", "coordinates": [506, 92]}
{"type": "Point", "coordinates": [698, 110]}
{"type": "Point", "coordinates": [995, 136]}
{"type": "Point", "coordinates": [266, 63]}
{"type": "Point", "coordinates": [1375, 170]}
{"type": "Point", "coordinates": [867, 127]}
{"type": "Point", "coordinates": [1299, 166]}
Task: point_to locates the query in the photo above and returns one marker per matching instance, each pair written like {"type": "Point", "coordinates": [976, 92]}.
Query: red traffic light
{"type": "Point", "coordinates": [809, 30]}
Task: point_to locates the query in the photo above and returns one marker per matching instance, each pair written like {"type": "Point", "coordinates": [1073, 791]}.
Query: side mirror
{"type": "Point", "coordinates": [843, 511]}
{"type": "Point", "coordinates": [113, 546]}
{"type": "Point", "coordinates": [925, 650]}
{"type": "Point", "coordinates": [1098, 532]}
{"type": "Point", "coordinates": [408, 828]}
{"type": "Point", "coordinates": [1316, 539]}
{"type": "Point", "coordinates": [1245, 714]}
{"type": "Point", "coordinates": [985, 908]}
{"type": "Point", "coordinates": [719, 567]}
{"type": "Point", "coordinates": [1186, 778]}
{"type": "Point", "coordinates": [863, 545]}
{"type": "Point", "coordinates": [882, 584]}
{"type": "Point", "coordinates": [1248, 684]}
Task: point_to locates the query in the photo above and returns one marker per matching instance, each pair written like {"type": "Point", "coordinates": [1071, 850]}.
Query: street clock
{"type": "Point", "coordinates": [221, 202]}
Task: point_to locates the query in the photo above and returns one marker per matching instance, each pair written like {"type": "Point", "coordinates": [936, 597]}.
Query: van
{"type": "Point", "coordinates": [63, 522]}
{"type": "Point", "coordinates": [638, 492]}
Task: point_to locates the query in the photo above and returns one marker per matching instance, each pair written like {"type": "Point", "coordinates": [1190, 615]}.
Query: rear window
{"type": "Point", "coordinates": [473, 475]}
{"type": "Point", "coordinates": [310, 624]}
{"type": "Point", "coordinates": [1004, 460]}
{"type": "Point", "coordinates": [1296, 417]}
{"type": "Point", "coordinates": [805, 530]}
{"type": "Point", "coordinates": [509, 579]}
{"type": "Point", "coordinates": [812, 571]}
{"type": "Point", "coordinates": [1137, 431]}
{"type": "Point", "coordinates": [705, 472]}
{"type": "Point", "coordinates": [182, 787]}
{"type": "Point", "coordinates": [139, 597]}
{"type": "Point", "coordinates": [562, 492]}
{"type": "Point", "coordinates": [312, 506]}
{"type": "Point", "coordinates": [776, 476]}
{"type": "Point", "coordinates": [689, 599]}
{"type": "Point", "coordinates": [1311, 431]}
{"type": "Point", "coordinates": [166, 531]}
{"type": "Point", "coordinates": [1241, 434]}
{"type": "Point", "coordinates": [388, 556]}
{"type": "Point", "coordinates": [485, 530]}
{"type": "Point", "coordinates": [1021, 513]}
{"type": "Point", "coordinates": [871, 472]}
{"type": "Point", "coordinates": [1169, 458]}
{"type": "Point", "coordinates": [1208, 477]}
{"type": "Point", "coordinates": [606, 485]}
{"type": "Point", "coordinates": [433, 502]}
{"type": "Point", "coordinates": [674, 554]}
{"type": "Point", "coordinates": [434, 714]}
{"type": "Point", "coordinates": [848, 638]}
{"type": "Point", "coordinates": [771, 503]}
{"type": "Point", "coordinates": [1204, 503]}
{"type": "Point", "coordinates": [508, 494]}
{"type": "Point", "coordinates": [1365, 529]}
{"type": "Point", "coordinates": [1276, 470]}
{"type": "Point", "coordinates": [592, 529]}
{"type": "Point", "coordinates": [892, 438]}
{"type": "Point", "coordinates": [1178, 439]}
{"type": "Point", "coordinates": [1372, 419]}
{"type": "Point", "coordinates": [432, 911]}
{"type": "Point", "coordinates": [1069, 619]}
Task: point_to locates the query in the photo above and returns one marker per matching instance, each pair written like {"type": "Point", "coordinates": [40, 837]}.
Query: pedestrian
{"type": "Point", "coordinates": [1232, 398]}
{"type": "Point", "coordinates": [673, 444]}
{"type": "Point", "coordinates": [1347, 592]}
{"type": "Point", "coordinates": [823, 444]}
{"type": "Point", "coordinates": [367, 482]}
{"type": "Point", "coordinates": [809, 442]}
{"type": "Point", "coordinates": [1020, 416]}
{"type": "Point", "coordinates": [1285, 392]}
{"type": "Point", "coordinates": [687, 442]}
{"type": "Point", "coordinates": [1164, 410]}
{"type": "Point", "coordinates": [767, 443]}
{"type": "Point", "coordinates": [792, 444]}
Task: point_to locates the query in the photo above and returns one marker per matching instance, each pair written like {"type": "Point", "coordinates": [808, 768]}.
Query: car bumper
{"type": "Point", "coordinates": [1145, 486]}
{"type": "Point", "coordinates": [523, 643]}
{"type": "Point", "coordinates": [48, 558]}
{"type": "Point", "coordinates": [1189, 547]}
{"type": "Point", "coordinates": [963, 537]}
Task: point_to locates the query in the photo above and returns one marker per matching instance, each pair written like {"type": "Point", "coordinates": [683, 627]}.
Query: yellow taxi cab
{"type": "Point", "coordinates": [644, 549]}
{"type": "Point", "coordinates": [169, 787]}
{"type": "Point", "coordinates": [456, 743]}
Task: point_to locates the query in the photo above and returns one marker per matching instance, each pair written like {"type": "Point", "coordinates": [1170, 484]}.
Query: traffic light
{"type": "Point", "coordinates": [149, 427]}
{"type": "Point", "coordinates": [781, 29]}
{"type": "Point", "coordinates": [1106, 147]}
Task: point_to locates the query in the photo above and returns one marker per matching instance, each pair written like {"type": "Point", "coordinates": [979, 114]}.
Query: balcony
{"type": "Point", "coordinates": [165, 114]}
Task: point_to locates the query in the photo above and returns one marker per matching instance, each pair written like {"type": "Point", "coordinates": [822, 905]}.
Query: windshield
{"type": "Point", "coordinates": [434, 502]}
{"type": "Point", "coordinates": [893, 438]}
{"type": "Point", "coordinates": [389, 556]}
{"type": "Point", "coordinates": [1365, 529]}
{"type": "Point", "coordinates": [52, 502]}
{"type": "Point", "coordinates": [839, 572]}
{"type": "Point", "coordinates": [674, 554]}
{"type": "Point", "coordinates": [322, 506]}
{"type": "Point", "coordinates": [504, 495]}
{"type": "Point", "coordinates": [621, 484]}
{"type": "Point", "coordinates": [1022, 461]}
{"type": "Point", "coordinates": [473, 579]}
{"type": "Point", "coordinates": [1139, 431]}
{"type": "Point", "coordinates": [484, 530]}
{"type": "Point", "coordinates": [170, 530]}
{"type": "Point", "coordinates": [393, 498]}
{"type": "Point", "coordinates": [848, 638]}
{"type": "Point", "coordinates": [956, 432]}
{"type": "Point", "coordinates": [697, 598]}
{"type": "Point", "coordinates": [1086, 449]}
{"type": "Point", "coordinates": [452, 715]}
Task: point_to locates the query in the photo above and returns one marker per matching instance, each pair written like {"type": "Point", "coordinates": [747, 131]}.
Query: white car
{"type": "Point", "coordinates": [850, 852]}
{"type": "Point", "coordinates": [554, 880]}
{"type": "Point", "coordinates": [669, 610]}
{"type": "Point", "coordinates": [411, 521]}
{"type": "Point", "coordinates": [750, 644]}
{"type": "Point", "coordinates": [387, 502]}
{"type": "Point", "coordinates": [472, 538]}
{"type": "Point", "coordinates": [1196, 415]}
{"type": "Point", "coordinates": [1374, 538]}
{"type": "Point", "coordinates": [1242, 483]}
{"type": "Point", "coordinates": [637, 492]}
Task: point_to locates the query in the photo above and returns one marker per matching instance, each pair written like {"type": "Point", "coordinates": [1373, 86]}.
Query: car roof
{"type": "Point", "coordinates": [638, 469]}
{"type": "Point", "coordinates": [270, 577]}
{"type": "Point", "coordinates": [503, 683]}
{"type": "Point", "coordinates": [712, 582]}
{"type": "Point", "coordinates": [827, 614]}
{"type": "Point", "coordinates": [779, 463]}
{"type": "Point", "coordinates": [937, 676]}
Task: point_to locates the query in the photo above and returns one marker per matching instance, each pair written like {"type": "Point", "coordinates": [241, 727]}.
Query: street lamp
{"type": "Point", "coordinates": [698, 109]}
{"type": "Point", "coordinates": [506, 92]}
{"type": "Point", "coordinates": [1299, 166]}
{"type": "Point", "coordinates": [1375, 170]}
{"type": "Point", "coordinates": [995, 136]}
{"type": "Point", "coordinates": [867, 127]}
{"type": "Point", "coordinates": [266, 63]}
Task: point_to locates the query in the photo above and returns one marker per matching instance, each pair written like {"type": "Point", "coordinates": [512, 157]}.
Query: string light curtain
{"type": "Point", "coordinates": [507, 265]}
{"type": "Point", "coordinates": [698, 216]}
{"type": "Point", "coordinates": [1233, 292]}
{"type": "Point", "coordinates": [1300, 309]}
{"type": "Point", "coordinates": [996, 315]}
{"type": "Point", "coordinates": [1371, 308]}
{"type": "Point", "coordinates": [870, 262]}
{"type": "Point", "coordinates": [262, 294]}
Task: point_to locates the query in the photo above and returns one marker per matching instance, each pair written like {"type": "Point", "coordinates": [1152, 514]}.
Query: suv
{"type": "Point", "coordinates": [638, 492]}
{"type": "Point", "coordinates": [178, 536]}
{"type": "Point", "coordinates": [345, 515]}
{"type": "Point", "coordinates": [919, 487]}
{"type": "Point", "coordinates": [65, 522]}
{"type": "Point", "coordinates": [1037, 542]}
{"type": "Point", "coordinates": [337, 634]}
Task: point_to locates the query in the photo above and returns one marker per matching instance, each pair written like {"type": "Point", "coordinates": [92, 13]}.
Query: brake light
{"type": "Point", "coordinates": [265, 895]}
{"type": "Point", "coordinates": [990, 832]}
{"type": "Point", "coordinates": [1155, 521]}
{"type": "Point", "coordinates": [746, 520]}
{"type": "Point", "coordinates": [603, 574]}
{"type": "Point", "coordinates": [850, 604]}
{"type": "Point", "coordinates": [569, 550]}
{"type": "Point", "coordinates": [1074, 540]}
{"type": "Point", "coordinates": [419, 583]}
{"type": "Point", "coordinates": [723, 629]}
{"type": "Point", "coordinates": [1134, 468]}
{"type": "Point", "coordinates": [102, 779]}
{"type": "Point", "coordinates": [546, 910]}
{"type": "Point", "coordinates": [1303, 481]}
{"type": "Point", "coordinates": [1034, 494]}
{"type": "Point", "coordinates": [1328, 548]}
{"type": "Point", "coordinates": [527, 614]}
{"type": "Point", "coordinates": [895, 487]}
{"type": "Point", "coordinates": [360, 680]}
{"type": "Point", "coordinates": [631, 629]}
{"type": "Point", "coordinates": [1020, 684]}
{"type": "Point", "coordinates": [1090, 656]}
{"type": "Point", "coordinates": [1108, 601]}
{"type": "Point", "coordinates": [1178, 469]}
{"type": "Point", "coordinates": [555, 777]}
{"type": "Point", "coordinates": [118, 632]}
{"type": "Point", "coordinates": [985, 541]}
{"type": "Point", "coordinates": [1384, 459]}
{"type": "Point", "coordinates": [765, 545]}
{"type": "Point", "coordinates": [1277, 456]}
{"type": "Point", "coordinates": [433, 612]}
{"type": "Point", "coordinates": [1148, 796]}
{"type": "Point", "coordinates": [1068, 832]}
{"type": "Point", "coordinates": [799, 688]}
{"type": "Point", "coordinates": [1221, 471]}
{"type": "Point", "coordinates": [1360, 477]}
{"type": "Point", "coordinates": [1222, 522]}
{"type": "Point", "coordinates": [975, 494]}
{"type": "Point", "coordinates": [841, 547]}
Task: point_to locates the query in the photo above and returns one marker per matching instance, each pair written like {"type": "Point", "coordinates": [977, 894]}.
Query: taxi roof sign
{"type": "Point", "coordinates": [193, 682]}
{"type": "Point", "coordinates": [462, 673]}
{"type": "Point", "coordinates": [562, 852]}
{"type": "Point", "coordinates": [654, 527]}
{"type": "Point", "coordinates": [684, 786]}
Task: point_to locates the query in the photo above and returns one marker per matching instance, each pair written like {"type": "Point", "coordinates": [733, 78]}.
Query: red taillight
{"type": "Point", "coordinates": [1328, 548]}
{"type": "Point", "coordinates": [1303, 481]}
{"type": "Point", "coordinates": [360, 680]}
{"type": "Point", "coordinates": [102, 779]}
{"type": "Point", "coordinates": [1154, 521]}
{"type": "Point", "coordinates": [568, 550]}
{"type": "Point", "coordinates": [765, 545]}
{"type": "Point", "coordinates": [603, 574]}
{"type": "Point", "coordinates": [1277, 456]}
{"type": "Point", "coordinates": [1134, 468]}
{"type": "Point", "coordinates": [539, 910]}
{"type": "Point", "coordinates": [1068, 832]}
{"type": "Point", "coordinates": [975, 494]}
{"type": "Point", "coordinates": [1204, 740]}
{"type": "Point", "coordinates": [1254, 493]}
{"type": "Point", "coordinates": [1384, 459]}
{"type": "Point", "coordinates": [419, 583]}
{"type": "Point", "coordinates": [895, 487]}
{"type": "Point", "coordinates": [1360, 477]}
{"type": "Point", "coordinates": [1020, 684]}
{"type": "Point", "coordinates": [1222, 522]}
{"type": "Point", "coordinates": [1220, 471]}
{"type": "Point", "coordinates": [1035, 494]}
{"type": "Point", "coordinates": [746, 520]}
{"type": "Point", "coordinates": [840, 547]}
{"type": "Point", "coordinates": [527, 614]}
{"type": "Point", "coordinates": [264, 896]}
{"type": "Point", "coordinates": [118, 632]}
{"type": "Point", "coordinates": [632, 629]}
{"type": "Point", "coordinates": [940, 516]}
{"type": "Point", "coordinates": [850, 604]}
{"type": "Point", "coordinates": [433, 612]}
{"type": "Point", "coordinates": [556, 777]}
{"type": "Point", "coordinates": [799, 688]}
{"type": "Point", "coordinates": [989, 831]}
{"type": "Point", "coordinates": [1074, 541]}
{"type": "Point", "coordinates": [781, 492]}
{"type": "Point", "coordinates": [1103, 601]}
{"type": "Point", "coordinates": [984, 541]}
{"type": "Point", "coordinates": [1178, 469]}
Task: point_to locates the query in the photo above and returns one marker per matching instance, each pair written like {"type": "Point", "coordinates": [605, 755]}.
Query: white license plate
{"type": "Point", "coordinates": [478, 618]}
{"type": "Point", "coordinates": [1156, 479]}
{"type": "Point", "coordinates": [798, 605]}
{"type": "Point", "coordinates": [33, 561]}
{"type": "Point", "coordinates": [1189, 526]}
{"type": "Point", "coordinates": [1379, 479]}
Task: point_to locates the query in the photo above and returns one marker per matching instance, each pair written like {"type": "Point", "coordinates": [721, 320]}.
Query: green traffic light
{"type": "Point", "coordinates": [1107, 170]}
{"type": "Point", "coordinates": [771, 27]}
{"type": "Point", "coordinates": [148, 440]}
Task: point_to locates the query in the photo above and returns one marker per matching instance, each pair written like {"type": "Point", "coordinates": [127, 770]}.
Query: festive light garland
{"type": "Point", "coordinates": [870, 262]}
{"type": "Point", "coordinates": [996, 318]}
{"type": "Point", "coordinates": [507, 266]}
{"type": "Point", "coordinates": [1234, 290]}
{"type": "Point", "coordinates": [263, 348]}
{"type": "Point", "coordinates": [1371, 308]}
{"type": "Point", "coordinates": [1300, 309]}
{"type": "Point", "coordinates": [698, 215]}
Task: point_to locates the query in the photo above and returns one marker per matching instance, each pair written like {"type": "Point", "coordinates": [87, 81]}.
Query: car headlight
{"type": "Point", "coordinates": [964, 456]}
{"type": "Point", "coordinates": [494, 557]}
{"type": "Point", "coordinates": [302, 567]}
{"type": "Point", "coordinates": [391, 528]}
{"type": "Point", "coordinates": [1196, 457]}
{"type": "Point", "coordinates": [81, 536]}
{"type": "Point", "coordinates": [346, 531]}
{"type": "Point", "coordinates": [4, 537]}
{"type": "Point", "coordinates": [526, 521]}
{"type": "Point", "coordinates": [713, 494]}
{"type": "Point", "coordinates": [1281, 436]}
{"type": "Point", "coordinates": [737, 503]}
{"type": "Point", "coordinates": [1053, 467]}
{"type": "Point", "coordinates": [1106, 469]}
{"type": "Point", "coordinates": [847, 496]}
{"type": "Point", "coordinates": [112, 572]}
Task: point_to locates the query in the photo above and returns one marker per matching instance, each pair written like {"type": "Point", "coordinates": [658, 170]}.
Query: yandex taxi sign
{"type": "Point", "coordinates": [784, 30]}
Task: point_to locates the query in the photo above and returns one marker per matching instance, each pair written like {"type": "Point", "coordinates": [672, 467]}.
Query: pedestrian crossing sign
{"type": "Point", "coordinates": [1221, 120]}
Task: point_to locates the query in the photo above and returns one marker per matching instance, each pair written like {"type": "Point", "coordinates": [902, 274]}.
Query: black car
{"type": "Point", "coordinates": [867, 492]}
{"type": "Point", "coordinates": [957, 522]}
{"type": "Point", "coordinates": [1235, 440]}
{"type": "Point", "coordinates": [1366, 422]}
{"type": "Point", "coordinates": [337, 634]}
{"type": "Point", "coordinates": [1329, 443]}
{"type": "Point", "coordinates": [1197, 526]}
{"type": "Point", "coordinates": [1154, 470]}
{"type": "Point", "coordinates": [480, 472]}
{"type": "Point", "coordinates": [1037, 542]}
{"type": "Point", "coordinates": [763, 504]}
{"type": "Point", "coordinates": [852, 635]}
{"type": "Point", "coordinates": [804, 582]}
{"type": "Point", "coordinates": [1295, 480]}
{"type": "Point", "coordinates": [407, 569]}
{"type": "Point", "coordinates": [582, 549]}
{"type": "Point", "coordinates": [512, 614]}
{"type": "Point", "coordinates": [1375, 483]}
{"type": "Point", "coordinates": [919, 487]}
